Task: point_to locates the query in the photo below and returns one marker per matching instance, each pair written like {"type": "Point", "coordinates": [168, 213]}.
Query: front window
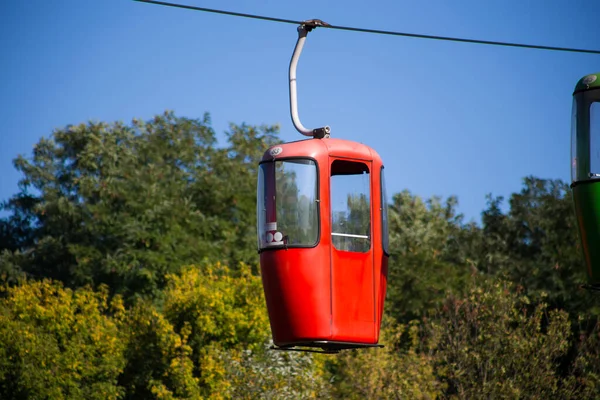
{"type": "Point", "coordinates": [350, 206]}
{"type": "Point", "coordinates": [575, 143]}
{"type": "Point", "coordinates": [585, 136]}
{"type": "Point", "coordinates": [287, 203]}
{"type": "Point", "coordinates": [595, 140]}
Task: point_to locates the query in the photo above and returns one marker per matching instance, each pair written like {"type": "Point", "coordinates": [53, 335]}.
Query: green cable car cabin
{"type": "Point", "coordinates": [585, 170]}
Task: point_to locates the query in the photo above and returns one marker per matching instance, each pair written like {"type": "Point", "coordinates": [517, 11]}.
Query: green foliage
{"type": "Point", "coordinates": [59, 344]}
{"type": "Point", "coordinates": [398, 371]}
{"type": "Point", "coordinates": [268, 374]}
{"type": "Point", "coordinates": [429, 248]}
{"type": "Point", "coordinates": [492, 342]}
{"type": "Point", "coordinates": [127, 205]}
{"type": "Point", "coordinates": [582, 376]}
{"type": "Point", "coordinates": [536, 245]}
{"type": "Point", "coordinates": [159, 359]}
{"type": "Point", "coordinates": [495, 344]}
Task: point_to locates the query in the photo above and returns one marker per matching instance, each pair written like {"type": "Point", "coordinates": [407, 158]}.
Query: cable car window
{"type": "Point", "coordinates": [575, 145]}
{"type": "Point", "coordinates": [261, 204]}
{"type": "Point", "coordinates": [350, 206]}
{"type": "Point", "coordinates": [384, 215]}
{"type": "Point", "coordinates": [287, 208]}
{"type": "Point", "coordinates": [595, 140]}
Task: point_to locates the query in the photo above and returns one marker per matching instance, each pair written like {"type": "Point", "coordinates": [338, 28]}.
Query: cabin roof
{"type": "Point", "coordinates": [319, 148]}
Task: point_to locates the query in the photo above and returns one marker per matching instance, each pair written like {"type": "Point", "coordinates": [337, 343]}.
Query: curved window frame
{"type": "Point", "coordinates": [594, 116]}
{"type": "Point", "coordinates": [317, 200]}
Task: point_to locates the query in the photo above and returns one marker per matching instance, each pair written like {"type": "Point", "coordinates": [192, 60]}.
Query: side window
{"type": "Point", "coordinates": [595, 140]}
{"type": "Point", "coordinates": [350, 206]}
{"type": "Point", "coordinates": [385, 238]}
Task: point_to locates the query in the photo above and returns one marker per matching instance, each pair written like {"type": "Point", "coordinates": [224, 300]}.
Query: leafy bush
{"type": "Point", "coordinates": [495, 344]}
{"type": "Point", "coordinates": [57, 343]}
{"type": "Point", "coordinates": [269, 374]}
{"type": "Point", "coordinates": [399, 370]}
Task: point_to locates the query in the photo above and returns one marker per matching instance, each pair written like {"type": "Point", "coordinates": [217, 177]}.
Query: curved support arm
{"type": "Point", "coordinates": [319, 132]}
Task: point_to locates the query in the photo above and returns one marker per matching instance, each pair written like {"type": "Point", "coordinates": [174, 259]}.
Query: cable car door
{"type": "Point", "coordinates": [352, 276]}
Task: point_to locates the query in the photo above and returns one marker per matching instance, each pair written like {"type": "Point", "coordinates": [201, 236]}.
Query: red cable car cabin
{"type": "Point", "coordinates": [323, 243]}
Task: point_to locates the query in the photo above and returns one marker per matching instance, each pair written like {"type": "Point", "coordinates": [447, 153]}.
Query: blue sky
{"type": "Point", "coordinates": [447, 118]}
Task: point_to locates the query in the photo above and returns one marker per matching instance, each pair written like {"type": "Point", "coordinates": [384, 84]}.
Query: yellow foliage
{"type": "Point", "coordinates": [388, 372]}
{"type": "Point", "coordinates": [177, 352]}
{"type": "Point", "coordinates": [219, 307]}
{"type": "Point", "coordinates": [159, 358]}
{"type": "Point", "coordinates": [221, 311]}
{"type": "Point", "coordinates": [58, 343]}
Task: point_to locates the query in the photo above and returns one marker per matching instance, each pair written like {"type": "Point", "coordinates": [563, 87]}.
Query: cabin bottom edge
{"type": "Point", "coordinates": [327, 345]}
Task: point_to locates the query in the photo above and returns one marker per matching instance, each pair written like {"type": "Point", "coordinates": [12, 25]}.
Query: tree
{"type": "Point", "coordinates": [126, 205]}
{"type": "Point", "coordinates": [159, 358]}
{"type": "Point", "coordinates": [210, 341]}
{"type": "Point", "coordinates": [430, 247]}
{"type": "Point", "coordinates": [400, 370]}
{"type": "Point", "coordinates": [266, 374]}
{"type": "Point", "coordinates": [495, 343]}
{"type": "Point", "coordinates": [536, 245]}
{"type": "Point", "coordinates": [220, 312]}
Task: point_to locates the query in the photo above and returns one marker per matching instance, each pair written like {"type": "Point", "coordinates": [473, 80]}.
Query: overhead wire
{"type": "Point", "coordinates": [374, 31]}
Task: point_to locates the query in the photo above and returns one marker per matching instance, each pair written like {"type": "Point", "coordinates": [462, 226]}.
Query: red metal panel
{"type": "Point", "coordinates": [316, 148]}
{"type": "Point", "coordinates": [297, 291]}
{"type": "Point", "coordinates": [348, 149]}
{"type": "Point", "coordinates": [352, 295]}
